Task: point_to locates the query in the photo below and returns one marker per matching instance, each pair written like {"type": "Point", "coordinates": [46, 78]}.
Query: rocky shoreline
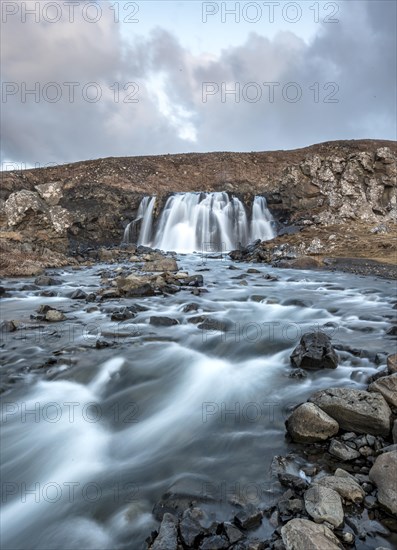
{"type": "Point", "coordinates": [343, 487]}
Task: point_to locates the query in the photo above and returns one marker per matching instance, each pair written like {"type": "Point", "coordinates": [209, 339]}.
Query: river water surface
{"type": "Point", "coordinates": [92, 438]}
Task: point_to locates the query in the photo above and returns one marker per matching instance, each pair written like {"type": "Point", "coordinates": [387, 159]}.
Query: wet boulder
{"type": "Point", "coordinates": [308, 424]}
{"type": "Point", "coordinates": [347, 487]}
{"type": "Point", "coordinates": [314, 351]}
{"type": "Point", "coordinates": [248, 518]}
{"type": "Point", "coordinates": [54, 316]}
{"type": "Point", "coordinates": [78, 294]}
{"type": "Point", "coordinates": [45, 280]}
{"type": "Point", "coordinates": [384, 474]}
{"type": "Point", "coordinates": [324, 504]}
{"type": "Point", "coordinates": [134, 285]}
{"type": "Point", "coordinates": [355, 410]}
{"type": "Point", "coordinates": [386, 386]}
{"type": "Point", "coordinates": [299, 534]}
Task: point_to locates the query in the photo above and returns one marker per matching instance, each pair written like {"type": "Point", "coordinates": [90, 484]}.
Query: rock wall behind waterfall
{"type": "Point", "coordinates": [90, 203]}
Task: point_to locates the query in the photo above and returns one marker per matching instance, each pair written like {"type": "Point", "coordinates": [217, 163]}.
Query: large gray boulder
{"type": "Point", "coordinates": [308, 423]}
{"type": "Point", "coordinates": [384, 474]}
{"type": "Point", "coordinates": [135, 285]}
{"type": "Point", "coordinates": [355, 410]}
{"type": "Point", "coordinates": [324, 504]}
{"type": "Point", "coordinates": [302, 534]}
{"type": "Point", "coordinates": [20, 203]}
{"type": "Point", "coordinates": [314, 351]}
{"type": "Point", "coordinates": [387, 386]}
{"type": "Point", "coordinates": [346, 487]}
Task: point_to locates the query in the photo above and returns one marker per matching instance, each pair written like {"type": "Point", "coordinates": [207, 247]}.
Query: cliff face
{"type": "Point", "coordinates": [89, 203]}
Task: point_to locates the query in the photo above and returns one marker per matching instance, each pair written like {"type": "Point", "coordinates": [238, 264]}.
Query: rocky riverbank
{"type": "Point", "coordinates": [337, 489]}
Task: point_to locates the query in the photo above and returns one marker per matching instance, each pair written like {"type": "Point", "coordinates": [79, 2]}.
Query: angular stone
{"type": "Point", "coordinates": [324, 504]}
{"type": "Point", "coordinates": [192, 525]}
{"type": "Point", "coordinates": [78, 294]}
{"type": "Point", "coordinates": [165, 264]}
{"type": "Point", "coordinates": [54, 316]}
{"type": "Point", "coordinates": [302, 534]}
{"type": "Point", "coordinates": [135, 286]}
{"type": "Point", "coordinates": [232, 533]}
{"type": "Point", "coordinates": [392, 363]}
{"type": "Point", "coordinates": [248, 518]}
{"type": "Point", "coordinates": [50, 192]}
{"type": "Point", "coordinates": [20, 203]}
{"type": "Point", "coordinates": [167, 539]}
{"type": "Point", "coordinates": [314, 351]}
{"type": "Point", "coordinates": [308, 423]}
{"type": "Point", "coordinates": [347, 488]}
{"type": "Point", "coordinates": [356, 410]}
{"type": "Point", "coordinates": [217, 542]}
{"type": "Point", "coordinates": [342, 451]}
{"type": "Point", "coordinates": [384, 474]}
{"type": "Point", "coordinates": [386, 386]}
{"type": "Point", "coordinates": [293, 482]}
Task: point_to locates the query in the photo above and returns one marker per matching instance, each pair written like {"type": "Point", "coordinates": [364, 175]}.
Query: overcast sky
{"type": "Point", "coordinates": [85, 79]}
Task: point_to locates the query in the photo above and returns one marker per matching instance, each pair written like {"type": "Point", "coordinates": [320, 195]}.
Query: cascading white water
{"type": "Point", "coordinates": [201, 221]}
{"type": "Point", "coordinates": [144, 215]}
{"type": "Point", "coordinates": [261, 222]}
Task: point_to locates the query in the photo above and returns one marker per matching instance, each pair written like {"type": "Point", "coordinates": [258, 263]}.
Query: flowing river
{"type": "Point", "coordinates": [92, 438]}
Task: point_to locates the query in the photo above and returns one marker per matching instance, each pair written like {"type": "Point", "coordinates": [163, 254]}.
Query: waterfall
{"type": "Point", "coordinates": [261, 222]}
{"type": "Point", "coordinates": [200, 221]}
{"type": "Point", "coordinates": [140, 229]}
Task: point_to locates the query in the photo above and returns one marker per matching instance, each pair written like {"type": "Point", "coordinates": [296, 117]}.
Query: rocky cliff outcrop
{"type": "Point", "coordinates": [75, 206]}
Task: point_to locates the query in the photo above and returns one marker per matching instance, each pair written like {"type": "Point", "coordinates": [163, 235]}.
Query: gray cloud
{"type": "Point", "coordinates": [358, 54]}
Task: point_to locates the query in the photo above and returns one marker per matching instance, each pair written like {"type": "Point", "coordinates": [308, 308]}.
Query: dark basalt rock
{"type": "Point", "coordinates": [293, 482]}
{"type": "Point", "coordinates": [78, 294]}
{"type": "Point", "coordinates": [314, 352]}
{"type": "Point", "coordinates": [248, 518]}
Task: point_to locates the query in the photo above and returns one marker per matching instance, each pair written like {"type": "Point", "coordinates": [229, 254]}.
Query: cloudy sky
{"type": "Point", "coordinates": [88, 79]}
